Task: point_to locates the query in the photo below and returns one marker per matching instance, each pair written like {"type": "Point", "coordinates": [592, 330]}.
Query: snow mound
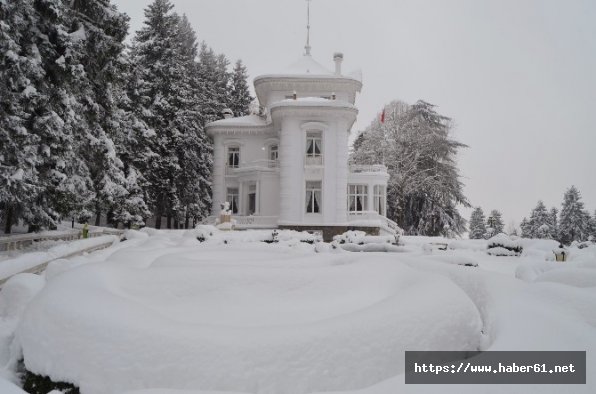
{"type": "Point", "coordinates": [578, 277]}
{"type": "Point", "coordinates": [502, 245]}
{"type": "Point", "coordinates": [248, 318]}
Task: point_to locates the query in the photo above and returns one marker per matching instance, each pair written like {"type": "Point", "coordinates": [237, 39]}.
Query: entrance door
{"type": "Point", "coordinates": [252, 203]}
{"type": "Point", "coordinates": [251, 208]}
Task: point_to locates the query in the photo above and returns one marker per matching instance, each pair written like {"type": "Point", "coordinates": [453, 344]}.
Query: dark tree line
{"type": "Point", "coordinates": [90, 128]}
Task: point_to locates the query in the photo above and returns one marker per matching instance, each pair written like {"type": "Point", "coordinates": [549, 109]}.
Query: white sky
{"type": "Point", "coordinates": [517, 76]}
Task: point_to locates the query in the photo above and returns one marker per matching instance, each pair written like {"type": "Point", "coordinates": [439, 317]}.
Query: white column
{"type": "Point", "coordinates": [218, 177]}
{"type": "Point", "coordinates": [371, 195]}
{"type": "Point", "coordinates": [291, 171]}
{"type": "Point", "coordinates": [341, 173]}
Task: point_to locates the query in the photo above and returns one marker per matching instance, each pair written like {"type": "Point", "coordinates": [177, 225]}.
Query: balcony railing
{"type": "Point", "coordinates": [384, 223]}
{"type": "Point", "coordinates": [253, 165]}
{"type": "Point", "coordinates": [313, 160]}
{"type": "Point", "coordinates": [360, 168]}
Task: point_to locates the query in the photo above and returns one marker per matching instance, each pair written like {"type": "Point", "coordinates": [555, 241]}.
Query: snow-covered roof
{"type": "Point", "coordinates": [313, 101]}
{"type": "Point", "coordinates": [250, 120]}
{"type": "Point", "coordinates": [306, 65]}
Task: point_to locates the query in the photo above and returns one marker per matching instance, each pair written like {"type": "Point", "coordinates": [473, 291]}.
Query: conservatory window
{"type": "Point", "coordinates": [314, 148]}
{"type": "Point", "coordinates": [357, 198]}
{"type": "Point", "coordinates": [313, 197]}
{"type": "Point", "coordinates": [234, 156]}
{"type": "Point", "coordinates": [232, 198]}
{"type": "Point", "coordinates": [380, 200]}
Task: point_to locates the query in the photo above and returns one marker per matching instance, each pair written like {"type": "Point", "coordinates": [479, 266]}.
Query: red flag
{"type": "Point", "coordinates": [383, 116]}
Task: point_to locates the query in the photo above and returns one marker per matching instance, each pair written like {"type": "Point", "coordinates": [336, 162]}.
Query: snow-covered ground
{"type": "Point", "coordinates": [165, 314]}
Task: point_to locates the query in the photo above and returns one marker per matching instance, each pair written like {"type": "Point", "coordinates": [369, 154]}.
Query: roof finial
{"type": "Point", "coordinates": [307, 46]}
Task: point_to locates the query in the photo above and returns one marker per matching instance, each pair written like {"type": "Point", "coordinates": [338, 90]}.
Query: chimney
{"type": "Point", "coordinates": [227, 113]}
{"type": "Point", "coordinates": [338, 58]}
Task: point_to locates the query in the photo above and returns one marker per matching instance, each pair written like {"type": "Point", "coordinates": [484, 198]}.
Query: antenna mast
{"type": "Point", "coordinates": [307, 47]}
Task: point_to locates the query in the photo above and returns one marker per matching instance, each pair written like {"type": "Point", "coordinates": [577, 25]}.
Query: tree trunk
{"type": "Point", "coordinates": [8, 222]}
{"type": "Point", "coordinates": [169, 222]}
{"type": "Point", "coordinates": [97, 218]}
{"type": "Point", "coordinates": [186, 219]}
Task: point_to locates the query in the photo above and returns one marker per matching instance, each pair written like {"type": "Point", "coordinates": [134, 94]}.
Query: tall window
{"type": "Point", "coordinates": [380, 199]}
{"type": "Point", "coordinates": [273, 152]}
{"type": "Point", "coordinates": [357, 198]}
{"type": "Point", "coordinates": [314, 148]}
{"type": "Point", "coordinates": [232, 198]}
{"type": "Point", "coordinates": [313, 197]}
{"type": "Point", "coordinates": [234, 156]}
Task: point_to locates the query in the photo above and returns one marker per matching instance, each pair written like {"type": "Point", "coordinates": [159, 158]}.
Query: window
{"type": "Point", "coordinates": [273, 152]}
{"type": "Point", "coordinates": [232, 198]}
{"type": "Point", "coordinates": [357, 198]}
{"type": "Point", "coordinates": [314, 148]}
{"type": "Point", "coordinates": [380, 199]}
{"type": "Point", "coordinates": [234, 156]}
{"type": "Point", "coordinates": [313, 197]}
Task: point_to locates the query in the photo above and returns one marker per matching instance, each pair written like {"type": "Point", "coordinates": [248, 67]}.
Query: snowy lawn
{"type": "Point", "coordinates": [163, 312]}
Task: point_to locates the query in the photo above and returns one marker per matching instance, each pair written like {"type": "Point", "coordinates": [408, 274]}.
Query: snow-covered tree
{"type": "Point", "coordinates": [526, 231]}
{"type": "Point", "coordinates": [155, 54]}
{"type": "Point", "coordinates": [494, 223]}
{"type": "Point", "coordinates": [574, 220]}
{"type": "Point", "coordinates": [424, 188]}
{"type": "Point", "coordinates": [554, 222]}
{"type": "Point", "coordinates": [240, 97]}
{"type": "Point", "coordinates": [477, 226]}
{"type": "Point", "coordinates": [540, 223]}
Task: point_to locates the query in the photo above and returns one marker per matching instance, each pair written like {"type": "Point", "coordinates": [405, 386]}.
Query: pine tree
{"type": "Point", "coordinates": [554, 222]}
{"type": "Point", "coordinates": [494, 223]}
{"type": "Point", "coordinates": [424, 188]}
{"type": "Point", "coordinates": [20, 68]}
{"type": "Point", "coordinates": [573, 224]}
{"type": "Point", "coordinates": [195, 150]}
{"type": "Point", "coordinates": [526, 231]}
{"type": "Point", "coordinates": [100, 31]}
{"type": "Point", "coordinates": [240, 97]}
{"type": "Point", "coordinates": [155, 54]}
{"type": "Point", "coordinates": [541, 223]}
{"type": "Point", "coordinates": [593, 227]}
{"type": "Point", "coordinates": [477, 224]}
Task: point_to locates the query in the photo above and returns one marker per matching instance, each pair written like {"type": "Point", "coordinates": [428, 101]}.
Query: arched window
{"type": "Point", "coordinates": [273, 152]}
{"type": "Point", "coordinates": [314, 148]}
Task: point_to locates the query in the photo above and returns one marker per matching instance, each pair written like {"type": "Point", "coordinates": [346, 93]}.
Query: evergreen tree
{"type": "Point", "coordinates": [573, 222]}
{"type": "Point", "coordinates": [526, 231]}
{"type": "Point", "coordinates": [494, 223]}
{"type": "Point", "coordinates": [424, 188]}
{"type": "Point", "coordinates": [240, 97]}
{"type": "Point", "coordinates": [20, 69]}
{"type": "Point", "coordinates": [155, 54]}
{"type": "Point", "coordinates": [195, 150]}
{"type": "Point", "coordinates": [593, 227]}
{"type": "Point", "coordinates": [100, 31]}
{"type": "Point", "coordinates": [477, 224]}
{"type": "Point", "coordinates": [541, 223]}
{"type": "Point", "coordinates": [554, 222]}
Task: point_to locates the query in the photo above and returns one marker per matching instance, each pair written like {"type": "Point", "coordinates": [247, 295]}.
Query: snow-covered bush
{"type": "Point", "coordinates": [502, 245]}
{"type": "Point", "coordinates": [361, 238]}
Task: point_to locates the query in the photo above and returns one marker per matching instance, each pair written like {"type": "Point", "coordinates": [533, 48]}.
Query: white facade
{"type": "Point", "coordinates": [289, 167]}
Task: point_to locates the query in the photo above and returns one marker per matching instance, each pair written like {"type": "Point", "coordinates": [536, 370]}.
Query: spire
{"type": "Point", "coordinates": [307, 46]}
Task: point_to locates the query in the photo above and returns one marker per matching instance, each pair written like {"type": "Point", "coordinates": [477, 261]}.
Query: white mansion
{"type": "Point", "coordinates": [288, 167]}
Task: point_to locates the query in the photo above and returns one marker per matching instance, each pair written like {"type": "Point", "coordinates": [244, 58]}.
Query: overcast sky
{"type": "Point", "coordinates": [517, 76]}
